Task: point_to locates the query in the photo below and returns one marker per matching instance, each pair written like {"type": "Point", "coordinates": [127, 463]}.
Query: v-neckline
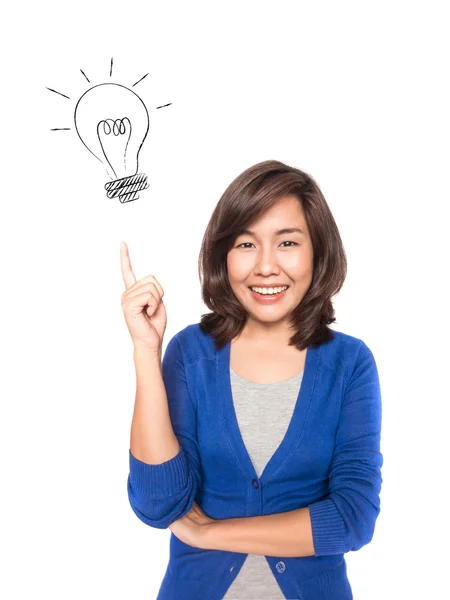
{"type": "Point", "coordinates": [296, 424]}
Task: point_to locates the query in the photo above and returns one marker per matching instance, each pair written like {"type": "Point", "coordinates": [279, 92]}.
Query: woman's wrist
{"type": "Point", "coordinates": [208, 535]}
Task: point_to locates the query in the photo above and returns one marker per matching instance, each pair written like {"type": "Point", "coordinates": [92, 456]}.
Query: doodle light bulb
{"type": "Point", "coordinates": [112, 122]}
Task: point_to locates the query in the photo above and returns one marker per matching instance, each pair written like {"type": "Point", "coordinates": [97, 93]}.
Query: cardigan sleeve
{"type": "Point", "coordinates": [345, 519]}
{"type": "Point", "coordinates": [162, 493]}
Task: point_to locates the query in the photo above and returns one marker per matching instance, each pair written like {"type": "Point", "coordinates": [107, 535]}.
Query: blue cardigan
{"type": "Point", "coordinates": [329, 460]}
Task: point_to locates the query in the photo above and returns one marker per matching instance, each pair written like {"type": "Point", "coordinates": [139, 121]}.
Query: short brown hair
{"type": "Point", "coordinates": [243, 202]}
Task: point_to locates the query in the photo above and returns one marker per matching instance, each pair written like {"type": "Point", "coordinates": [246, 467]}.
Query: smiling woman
{"type": "Point", "coordinates": [274, 469]}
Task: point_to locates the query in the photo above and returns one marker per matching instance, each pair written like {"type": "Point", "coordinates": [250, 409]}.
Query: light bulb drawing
{"type": "Point", "coordinates": [112, 121]}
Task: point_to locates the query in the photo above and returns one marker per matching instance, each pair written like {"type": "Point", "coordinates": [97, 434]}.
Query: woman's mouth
{"type": "Point", "coordinates": [268, 298]}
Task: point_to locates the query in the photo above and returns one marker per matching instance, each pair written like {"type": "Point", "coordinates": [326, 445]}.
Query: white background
{"type": "Point", "coordinates": [356, 94]}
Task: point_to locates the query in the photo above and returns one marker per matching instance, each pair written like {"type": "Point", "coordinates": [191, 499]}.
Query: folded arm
{"type": "Point", "coordinates": [345, 519]}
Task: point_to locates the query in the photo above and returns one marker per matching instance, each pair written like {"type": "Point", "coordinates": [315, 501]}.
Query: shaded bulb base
{"type": "Point", "coordinates": [127, 188]}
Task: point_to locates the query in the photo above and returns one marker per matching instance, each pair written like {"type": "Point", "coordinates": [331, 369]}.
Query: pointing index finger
{"type": "Point", "coordinates": [125, 262]}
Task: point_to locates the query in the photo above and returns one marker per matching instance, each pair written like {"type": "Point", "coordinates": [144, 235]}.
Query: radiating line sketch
{"type": "Point", "coordinates": [112, 122]}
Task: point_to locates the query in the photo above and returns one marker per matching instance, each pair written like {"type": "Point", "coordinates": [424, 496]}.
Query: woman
{"type": "Point", "coordinates": [257, 440]}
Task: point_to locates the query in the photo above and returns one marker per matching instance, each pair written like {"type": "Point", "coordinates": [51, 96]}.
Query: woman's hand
{"type": "Point", "coordinates": [143, 306]}
{"type": "Point", "coordinates": [191, 528]}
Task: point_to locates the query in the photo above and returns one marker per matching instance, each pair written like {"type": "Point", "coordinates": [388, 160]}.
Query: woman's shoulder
{"type": "Point", "coordinates": [346, 350]}
{"type": "Point", "coordinates": [346, 340]}
{"type": "Point", "coordinates": [193, 343]}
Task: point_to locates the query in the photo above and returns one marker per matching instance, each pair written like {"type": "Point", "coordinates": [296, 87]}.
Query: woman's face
{"type": "Point", "coordinates": [270, 258]}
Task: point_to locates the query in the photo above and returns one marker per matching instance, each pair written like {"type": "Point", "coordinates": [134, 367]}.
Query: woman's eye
{"type": "Point", "coordinates": [286, 242]}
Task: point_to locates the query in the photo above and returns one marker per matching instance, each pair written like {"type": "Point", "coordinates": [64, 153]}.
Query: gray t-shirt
{"type": "Point", "coordinates": [263, 411]}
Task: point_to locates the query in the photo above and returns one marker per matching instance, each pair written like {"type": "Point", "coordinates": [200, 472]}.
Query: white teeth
{"type": "Point", "coordinates": [269, 291]}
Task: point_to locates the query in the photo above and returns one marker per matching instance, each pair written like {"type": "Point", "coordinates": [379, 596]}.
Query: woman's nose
{"type": "Point", "coordinates": [267, 260]}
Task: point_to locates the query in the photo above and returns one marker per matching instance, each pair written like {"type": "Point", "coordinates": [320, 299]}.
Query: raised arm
{"type": "Point", "coordinates": [164, 477]}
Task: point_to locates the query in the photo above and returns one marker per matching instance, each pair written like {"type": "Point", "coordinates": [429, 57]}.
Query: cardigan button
{"type": "Point", "coordinates": [255, 483]}
{"type": "Point", "coordinates": [280, 566]}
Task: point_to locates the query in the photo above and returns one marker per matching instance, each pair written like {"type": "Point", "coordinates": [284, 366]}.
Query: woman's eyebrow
{"type": "Point", "coordinates": [279, 232]}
